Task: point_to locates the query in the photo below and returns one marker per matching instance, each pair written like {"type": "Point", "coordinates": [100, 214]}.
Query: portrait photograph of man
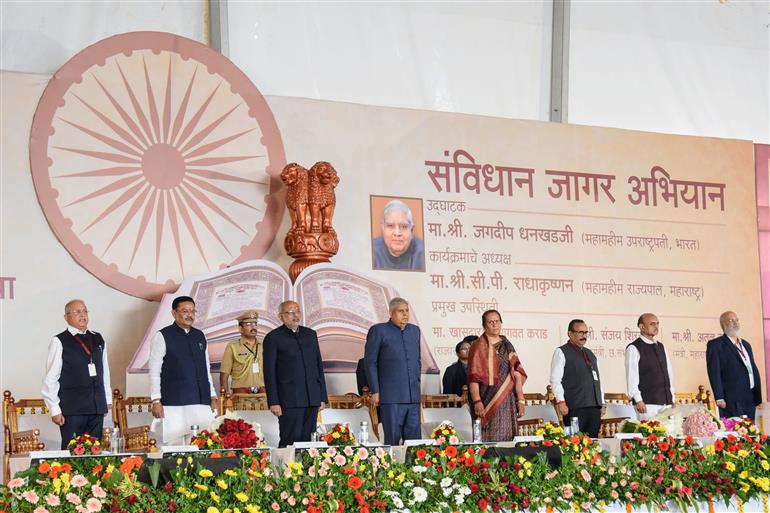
{"type": "Point", "coordinates": [397, 234]}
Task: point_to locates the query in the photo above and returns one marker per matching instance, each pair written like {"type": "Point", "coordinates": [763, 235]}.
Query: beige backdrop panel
{"type": "Point", "coordinates": [379, 151]}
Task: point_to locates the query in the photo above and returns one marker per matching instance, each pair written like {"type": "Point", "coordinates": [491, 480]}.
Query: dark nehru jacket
{"type": "Point", "coordinates": [184, 377]}
{"type": "Point", "coordinates": [580, 388]}
{"type": "Point", "coordinates": [79, 393]}
{"type": "Point", "coordinates": [654, 382]}
{"type": "Point", "coordinates": [413, 258]}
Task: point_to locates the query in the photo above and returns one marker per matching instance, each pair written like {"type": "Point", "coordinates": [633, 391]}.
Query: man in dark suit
{"type": "Point", "coordinates": [294, 376]}
{"type": "Point", "coordinates": [732, 372]}
{"type": "Point", "coordinates": [392, 355]}
{"type": "Point", "coordinates": [361, 376]}
{"type": "Point", "coordinates": [455, 376]}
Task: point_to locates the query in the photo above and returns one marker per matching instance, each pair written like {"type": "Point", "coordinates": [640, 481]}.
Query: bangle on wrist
{"type": "Point", "coordinates": [477, 401]}
{"type": "Point", "coordinates": [156, 401]}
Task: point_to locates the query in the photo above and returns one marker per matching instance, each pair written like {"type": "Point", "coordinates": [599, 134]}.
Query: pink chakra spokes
{"type": "Point", "coordinates": [161, 168]}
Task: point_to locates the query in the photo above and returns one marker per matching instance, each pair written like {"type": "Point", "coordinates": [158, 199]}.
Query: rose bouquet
{"type": "Point", "coordinates": [445, 433]}
{"type": "Point", "coordinates": [700, 424]}
{"type": "Point", "coordinates": [84, 444]}
{"type": "Point", "coordinates": [237, 434]}
{"type": "Point", "coordinates": [340, 434]}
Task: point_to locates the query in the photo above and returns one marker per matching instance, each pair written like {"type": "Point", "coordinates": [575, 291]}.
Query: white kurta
{"type": "Point", "coordinates": [177, 420]}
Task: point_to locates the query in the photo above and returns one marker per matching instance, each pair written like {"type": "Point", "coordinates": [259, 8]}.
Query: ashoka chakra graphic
{"type": "Point", "coordinates": [154, 157]}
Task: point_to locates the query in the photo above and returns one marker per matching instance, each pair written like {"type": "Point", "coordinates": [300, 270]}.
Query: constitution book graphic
{"type": "Point", "coordinates": [340, 304]}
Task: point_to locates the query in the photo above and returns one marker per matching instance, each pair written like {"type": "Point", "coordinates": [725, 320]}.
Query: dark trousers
{"type": "Point", "coordinates": [400, 422]}
{"type": "Point", "coordinates": [589, 419]}
{"type": "Point", "coordinates": [736, 410]}
{"type": "Point", "coordinates": [81, 424]}
{"type": "Point", "coordinates": [296, 424]}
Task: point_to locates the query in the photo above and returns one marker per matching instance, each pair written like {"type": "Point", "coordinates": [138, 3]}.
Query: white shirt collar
{"type": "Point", "coordinates": [646, 340]}
{"type": "Point", "coordinates": [74, 331]}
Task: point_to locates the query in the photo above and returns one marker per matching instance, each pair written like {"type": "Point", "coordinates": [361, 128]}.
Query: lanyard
{"type": "Point", "coordinates": [87, 350]}
{"type": "Point", "coordinates": [583, 354]}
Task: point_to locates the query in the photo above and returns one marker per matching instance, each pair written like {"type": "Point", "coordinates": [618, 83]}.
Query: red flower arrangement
{"type": "Point", "coordinates": [84, 444]}
{"type": "Point", "coordinates": [340, 434]}
{"type": "Point", "coordinates": [237, 434]}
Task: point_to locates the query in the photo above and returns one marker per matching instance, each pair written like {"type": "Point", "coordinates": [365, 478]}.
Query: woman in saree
{"type": "Point", "coordinates": [495, 381]}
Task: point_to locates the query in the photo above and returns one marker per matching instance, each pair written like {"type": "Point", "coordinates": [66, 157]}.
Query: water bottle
{"type": "Point", "coordinates": [116, 441]}
{"type": "Point", "coordinates": [477, 431]}
{"type": "Point", "coordinates": [363, 433]}
{"type": "Point", "coordinates": [575, 425]}
{"type": "Point", "coordinates": [194, 429]}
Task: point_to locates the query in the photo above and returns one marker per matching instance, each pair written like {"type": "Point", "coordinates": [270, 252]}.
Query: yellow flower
{"type": "Point", "coordinates": [335, 435]}
{"type": "Point", "coordinates": [361, 468]}
{"type": "Point", "coordinates": [730, 466]}
{"type": "Point", "coordinates": [57, 485]}
{"type": "Point", "coordinates": [391, 475]}
{"type": "Point", "coordinates": [743, 453]}
{"type": "Point", "coordinates": [214, 497]}
{"type": "Point", "coordinates": [242, 497]}
{"type": "Point", "coordinates": [212, 509]}
{"type": "Point", "coordinates": [765, 465]}
{"type": "Point", "coordinates": [179, 461]}
{"type": "Point", "coordinates": [181, 489]}
{"type": "Point", "coordinates": [201, 487]}
{"type": "Point", "coordinates": [743, 475]}
{"type": "Point", "coordinates": [230, 472]}
{"type": "Point", "coordinates": [251, 508]}
{"type": "Point", "coordinates": [209, 442]}
{"type": "Point", "coordinates": [205, 473]}
{"type": "Point", "coordinates": [221, 484]}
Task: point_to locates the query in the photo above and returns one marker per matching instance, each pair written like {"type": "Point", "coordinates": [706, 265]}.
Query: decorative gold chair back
{"type": "Point", "coordinates": [17, 442]}
{"type": "Point", "coordinates": [137, 438]}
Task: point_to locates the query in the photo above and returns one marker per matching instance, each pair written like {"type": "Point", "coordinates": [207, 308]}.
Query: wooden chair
{"type": "Point", "coordinates": [19, 443]}
{"type": "Point", "coordinates": [619, 409]}
{"type": "Point", "coordinates": [528, 427]}
{"type": "Point", "coordinates": [349, 401]}
{"type": "Point", "coordinates": [540, 407]}
{"type": "Point", "coordinates": [248, 402]}
{"type": "Point", "coordinates": [609, 425]}
{"type": "Point", "coordinates": [253, 408]}
{"type": "Point", "coordinates": [436, 408]}
{"type": "Point", "coordinates": [137, 438]}
{"type": "Point", "coordinates": [701, 396]}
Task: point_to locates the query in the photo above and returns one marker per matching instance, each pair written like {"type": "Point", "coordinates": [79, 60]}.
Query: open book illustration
{"type": "Point", "coordinates": [340, 304]}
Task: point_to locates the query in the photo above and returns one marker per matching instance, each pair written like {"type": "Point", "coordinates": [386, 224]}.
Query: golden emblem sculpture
{"type": "Point", "coordinates": [311, 200]}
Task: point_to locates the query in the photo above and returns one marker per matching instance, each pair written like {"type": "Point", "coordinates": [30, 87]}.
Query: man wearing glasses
{"type": "Point", "coordinates": [76, 386]}
{"type": "Point", "coordinates": [575, 381]}
{"type": "Point", "coordinates": [181, 389]}
{"type": "Point", "coordinates": [294, 376]}
{"type": "Point", "coordinates": [397, 247]}
{"type": "Point", "coordinates": [242, 359]}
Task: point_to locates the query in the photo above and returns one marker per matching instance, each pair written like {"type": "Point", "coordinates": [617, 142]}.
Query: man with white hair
{"type": "Point", "coordinates": [732, 372]}
{"type": "Point", "coordinates": [397, 247]}
{"type": "Point", "coordinates": [392, 358]}
{"type": "Point", "coordinates": [76, 387]}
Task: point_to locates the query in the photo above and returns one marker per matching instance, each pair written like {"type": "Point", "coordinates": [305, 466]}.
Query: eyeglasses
{"type": "Point", "coordinates": [187, 312]}
{"type": "Point", "coordinates": [77, 312]}
{"type": "Point", "coordinates": [494, 321]}
{"type": "Point", "coordinates": [580, 332]}
{"type": "Point", "coordinates": [290, 312]}
{"type": "Point", "coordinates": [401, 226]}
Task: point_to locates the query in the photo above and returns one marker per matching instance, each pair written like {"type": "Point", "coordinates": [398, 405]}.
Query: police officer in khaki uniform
{"type": "Point", "coordinates": [242, 359]}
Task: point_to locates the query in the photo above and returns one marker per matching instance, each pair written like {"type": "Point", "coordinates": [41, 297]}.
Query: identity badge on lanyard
{"type": "Point", "coordinates": [91, 365]}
